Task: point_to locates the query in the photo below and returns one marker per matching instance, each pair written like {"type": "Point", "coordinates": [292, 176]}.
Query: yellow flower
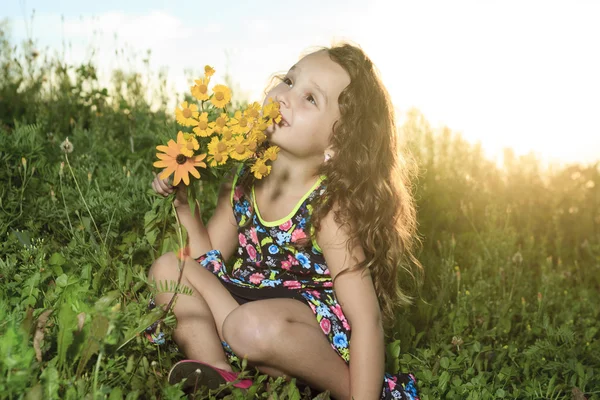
{"type": "Point", "coordinates": [240, 124]}
{"type": "Point", "coordinates": [186, 114]}
{"type": "Point", "coordinates": [238, 149]}
{"type": "Point", "coordinates": [208, 71]}
{"type": "Point", "coordinates": [260, 169]}
{"type": "Point", "coordinates": [219, 123]}
{"type": "Point", "coordinates": [271, 153]}
{"type": "Point", "coordinates": [258, 136]}
{"type": "Point", "coordinates": [221, 96]}
{"type": "Point", "coordinates": [271, 112]}
{"type": "Point", "coordinates": [200, 89]}
{"type": "Point", "coordinates": [190, 144]}
{"type": "Point", "coordinates": [174, 161]}
{"type": "Point", "coordinates": [253, 111]}
{"type": "Point", "coordinates": [227, 133]}
{"type": "Point", "coordinates": [217, 152]}
{"type": "Point", "coordinates": [203, 128]}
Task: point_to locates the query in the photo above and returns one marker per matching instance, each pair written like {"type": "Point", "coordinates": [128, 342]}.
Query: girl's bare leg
{"type": "Point", "coordinates": [200, 316]}
{"type": "Point", "coordinates": [283, 334]}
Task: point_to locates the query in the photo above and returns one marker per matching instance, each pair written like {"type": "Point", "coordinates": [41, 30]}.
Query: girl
{"type": "Point", "coordinates": [317, 245]}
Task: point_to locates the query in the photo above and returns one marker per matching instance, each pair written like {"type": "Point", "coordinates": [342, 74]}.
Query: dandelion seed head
{"type": "Point", "coordinates": [66, 146]}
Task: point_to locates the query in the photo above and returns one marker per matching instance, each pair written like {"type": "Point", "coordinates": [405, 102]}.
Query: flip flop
{"type": "Point", "coordinates": [199, 375]}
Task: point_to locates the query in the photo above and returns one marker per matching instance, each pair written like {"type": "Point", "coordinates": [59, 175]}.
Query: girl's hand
{"type": "Point", "coordinates": [164, 188]}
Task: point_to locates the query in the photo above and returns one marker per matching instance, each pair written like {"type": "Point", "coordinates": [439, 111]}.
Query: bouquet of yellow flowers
{"type": "Point", "coordinates": [212, 135]}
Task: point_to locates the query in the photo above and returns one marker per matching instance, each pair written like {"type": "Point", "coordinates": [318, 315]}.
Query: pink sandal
{"type": "Point", "coordinates": [199, 375]}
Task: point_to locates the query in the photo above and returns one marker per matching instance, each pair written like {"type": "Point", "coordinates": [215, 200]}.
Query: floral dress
{"type": "Point", "coordinates": [270, 256]}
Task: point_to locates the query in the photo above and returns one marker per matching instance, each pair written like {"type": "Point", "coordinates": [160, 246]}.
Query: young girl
{"type": "Point", "coordinates": [316, 246]}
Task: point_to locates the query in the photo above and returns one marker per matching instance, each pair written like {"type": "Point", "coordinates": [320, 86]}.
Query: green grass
{"type": "Point", "coordinates": [508, 309]}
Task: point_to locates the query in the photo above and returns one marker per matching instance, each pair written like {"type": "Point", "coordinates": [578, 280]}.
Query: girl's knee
{"type": "Point", "coordinates": [164, 267]}
{"type": "Point", "coordinates": [251, 334]}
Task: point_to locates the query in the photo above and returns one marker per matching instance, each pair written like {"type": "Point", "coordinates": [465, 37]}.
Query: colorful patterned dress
{"type": "Point", "coordinates": [270, 259]}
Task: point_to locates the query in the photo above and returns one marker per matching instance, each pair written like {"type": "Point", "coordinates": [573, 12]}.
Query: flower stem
{"type": "Point", "coordinates": [84, 202]}
{"type": "Point", "coordinates": [62, 193]}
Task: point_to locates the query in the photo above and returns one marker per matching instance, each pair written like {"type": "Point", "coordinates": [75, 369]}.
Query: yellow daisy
{"type": "Point", "coordinates": [186, 114]}
{"type": "Point", "coordinates": [203, 128]}
{"type": "Point", "coordinates": [200, 89]}
{"type": "Point", "coordinates": [190, 144]}
{"type": "Point", "coordinates": [238, 149]}
{"type": "Point", "coordinates": [260, 169]}
{"type": "Point", "coordinates": [253, 111]}
{"type": "Point", "coordinates": [271, 153]}
{"type": "Point", "coordinates": [220, 123]}
{"type": "Point", "coordinates": [217, 152]}
{"type": "Point", "coordinates": [227, 133]}
{"type": "Point", "coordinates": [221, 96]}
{"type": "Point", "coordinates": [271, 112]}
{"type": "Point", "coordinates": [208, 71]}
{"type": "Point", "coordinates": [258, 136]}
{"type": "Point", "coordinates": [173, 160]}
{"type": "Point", "coordinates": [240, 124]}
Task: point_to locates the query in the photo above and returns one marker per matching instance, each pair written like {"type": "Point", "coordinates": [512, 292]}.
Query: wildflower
{"type": "Point", "coordinates": [271, 112]}
{"type": "Point", "coordinates": [252, 111]}
{"type": "Point", "coordinates": [217, 152]}
{"type": "Point", "coordinates": [517, 258]}
{"type": "Point", "coordinates": [457, 341]}
{"type": "Point", "coordinates": [202, 128]}
{"type": "Point", "coordinates": [62, 168]}
{"type": "Point", "coordinates": [239, 149]}
{"type": "Point", "coordinates": [219, 123]}
{"type": "Point", "coordinates": [200, 89]}
{"type": "Point", "coordinates": [260, 169]}
{"type": "Point", "coordinates": [240, 124]}
{"type": "Point", "coordinates": [208, 71]}
{"type": "Point", "coordinates": [66, 146]}
{"type": "Point", "coordinates": [221, 96]}
{"type": "Point", "coordinates": [24, 162]}
{"type": "Point", "coordinates": [174, 161]}
{"type": "Point", "coordinates": [186, 114]}
{"type": "Point", "coordinates": [467, 293]}
{"type": "Point", "coordinates": [190, 144]}
{"type": "Point", "coordinates": [539, 297]}
{"type": "Point", "coordinates": [89, 177]}
{"type": "Point", "coordinates": [271, 153]}
{"type": "Point", "coordinates": [258, 135]}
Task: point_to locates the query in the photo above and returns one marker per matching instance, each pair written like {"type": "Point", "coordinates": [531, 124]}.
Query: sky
{"type": "Point", "coordinates": [521, 74]}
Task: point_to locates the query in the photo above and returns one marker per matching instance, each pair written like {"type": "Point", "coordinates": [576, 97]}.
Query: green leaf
{"type": "Point", "coordinates": [62, 281]}
{"type": "Point", "coordinates": [443, 381]}
{"type": "Point", "coordinates": [445, 362]}
{"type": "Point", "coordinates": [57, 259]}
{"type": "Point", "coordinates": [97, 332]}
{"type": "Point", "coordinates": [67, 322]}
{"type": "Point", "coordinates": [106, 301]}
{"type": "Point", "coordinates": [50, 379]}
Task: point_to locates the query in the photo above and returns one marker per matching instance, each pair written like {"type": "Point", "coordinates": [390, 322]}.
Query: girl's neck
{"type": "Point", "coordinates": [290, 174]}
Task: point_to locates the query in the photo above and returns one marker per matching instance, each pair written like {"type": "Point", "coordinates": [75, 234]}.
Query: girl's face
{"type": "Point", "coordinates": [308, 97]}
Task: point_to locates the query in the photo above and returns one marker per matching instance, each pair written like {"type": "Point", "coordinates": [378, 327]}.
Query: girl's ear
{"type": "Point", "coordinates": [329, 152]}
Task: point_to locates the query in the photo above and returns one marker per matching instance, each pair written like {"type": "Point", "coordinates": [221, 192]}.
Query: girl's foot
{"type": "Point", "coordinates": [200, 375]}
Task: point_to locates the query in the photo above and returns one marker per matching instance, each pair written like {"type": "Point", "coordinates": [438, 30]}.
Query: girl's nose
{"type": "Point", "coordinates": [282, 98]}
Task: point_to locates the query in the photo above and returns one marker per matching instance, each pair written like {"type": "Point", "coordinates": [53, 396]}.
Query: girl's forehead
{"type": "Point", "coordinates": [321, 67]}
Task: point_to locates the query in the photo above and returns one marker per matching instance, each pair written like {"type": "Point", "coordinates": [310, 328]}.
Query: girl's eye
{"type": "Point", "coordinates": [287, 81]}
{"type": "Point", "coordinates": [311, 99]}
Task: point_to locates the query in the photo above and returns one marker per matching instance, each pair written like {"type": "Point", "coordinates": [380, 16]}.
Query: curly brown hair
{"type": "Point", "coordinates": [369, 182]}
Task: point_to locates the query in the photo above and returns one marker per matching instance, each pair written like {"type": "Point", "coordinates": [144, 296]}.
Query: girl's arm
{"type": "Point", "coordinates": [357, 297]}
{"type": "Point", "coordinates": [221, 231]}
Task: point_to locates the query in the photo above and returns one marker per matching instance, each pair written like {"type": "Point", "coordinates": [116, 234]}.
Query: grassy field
{"type": "Point", "coordinates": [509, 306]}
